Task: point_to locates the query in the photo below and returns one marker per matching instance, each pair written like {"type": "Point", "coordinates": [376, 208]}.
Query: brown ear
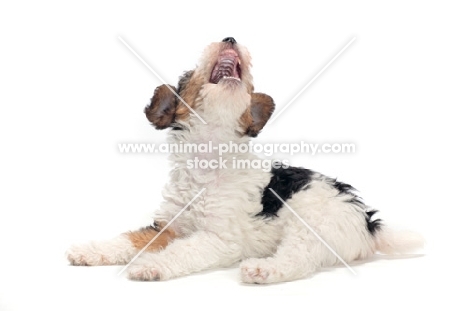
{"type": "Point", "coordinates": [161, 111]}
{"type": "Point", "coordinates": [258, 114]}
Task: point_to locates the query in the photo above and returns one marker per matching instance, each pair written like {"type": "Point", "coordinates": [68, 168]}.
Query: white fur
{"type": "Point", "coordinates": [389, 241]}
{"type": "Point", "coordinates": [117, 251]}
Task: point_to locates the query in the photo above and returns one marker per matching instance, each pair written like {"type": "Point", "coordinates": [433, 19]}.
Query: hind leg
{"type": "Point", "coordinates": [120, 250]}
{"type": "Point", "coordinates": [299, 254]}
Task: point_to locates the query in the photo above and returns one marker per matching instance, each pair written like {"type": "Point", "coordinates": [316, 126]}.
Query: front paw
{"type": "Point", "coordinates": [143, 273]}
{"type": "Point", "coordinates": [85, 255]}
{"type": "Point", "coordinates": [258, 271]}
{"type": "Point", "coordinates": [146, 268]}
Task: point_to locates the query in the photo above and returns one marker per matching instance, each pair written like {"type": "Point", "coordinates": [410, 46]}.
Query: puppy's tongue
{"type": "Point", "coordinates": [226, 66]}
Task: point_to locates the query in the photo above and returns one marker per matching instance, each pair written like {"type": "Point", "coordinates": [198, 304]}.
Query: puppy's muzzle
{"type": "Point", "coordinates": [228, 63]}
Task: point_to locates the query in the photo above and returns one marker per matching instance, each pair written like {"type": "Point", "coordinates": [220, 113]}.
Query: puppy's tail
{"type": "Point", "coordinates": [389, 241]}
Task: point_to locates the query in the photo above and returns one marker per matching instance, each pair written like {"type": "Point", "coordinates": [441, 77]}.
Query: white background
{"type": "Point", "coordinates": [71, 91]}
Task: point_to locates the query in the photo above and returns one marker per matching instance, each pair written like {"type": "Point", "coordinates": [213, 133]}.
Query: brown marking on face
{"type": "Point", "coordinates": [162, 109]}
{"type": "Point", "coordinates": [257, 115]}
{"type": "Point", "coordinates": [143, 236]}
{"type": "Point", "coordinates": [189, 86]}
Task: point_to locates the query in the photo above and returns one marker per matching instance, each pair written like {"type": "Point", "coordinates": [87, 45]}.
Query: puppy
{"type": "Point", "coordinates": [217, 217]}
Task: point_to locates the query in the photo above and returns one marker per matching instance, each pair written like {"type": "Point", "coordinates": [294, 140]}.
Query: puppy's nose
{"type": "Point", "coordinates": [230, 40]}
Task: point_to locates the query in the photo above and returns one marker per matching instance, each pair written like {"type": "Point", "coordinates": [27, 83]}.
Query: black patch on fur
{"type": "Point", "coordinates": [356, 200]}
{"type": "Point", "coordinates": [372, 225]}
{"type": "Point", "coordinates": [342, 187]}
{"type": "Point", "coordinates": [285, 182]}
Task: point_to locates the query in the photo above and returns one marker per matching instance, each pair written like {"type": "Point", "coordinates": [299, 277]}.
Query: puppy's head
{"type": "Point", "coordinates": [219, 90]}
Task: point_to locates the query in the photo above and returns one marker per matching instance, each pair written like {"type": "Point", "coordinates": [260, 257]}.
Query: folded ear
{"type": "Point", "coordinates": [161, 111]}
{"type": "Point", "coordinates": [258, 114]}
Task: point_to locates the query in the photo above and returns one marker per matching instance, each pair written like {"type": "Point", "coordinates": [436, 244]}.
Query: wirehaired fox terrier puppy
{"type": "Point", "coordinates": [244, 214]}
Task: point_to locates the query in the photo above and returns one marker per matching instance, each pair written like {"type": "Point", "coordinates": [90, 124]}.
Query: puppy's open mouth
{"type": "Point", "coordinates": [227, 67]}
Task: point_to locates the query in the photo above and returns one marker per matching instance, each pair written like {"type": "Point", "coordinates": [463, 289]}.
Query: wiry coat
{"type": "Point", "coordinates": [237, 216]}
